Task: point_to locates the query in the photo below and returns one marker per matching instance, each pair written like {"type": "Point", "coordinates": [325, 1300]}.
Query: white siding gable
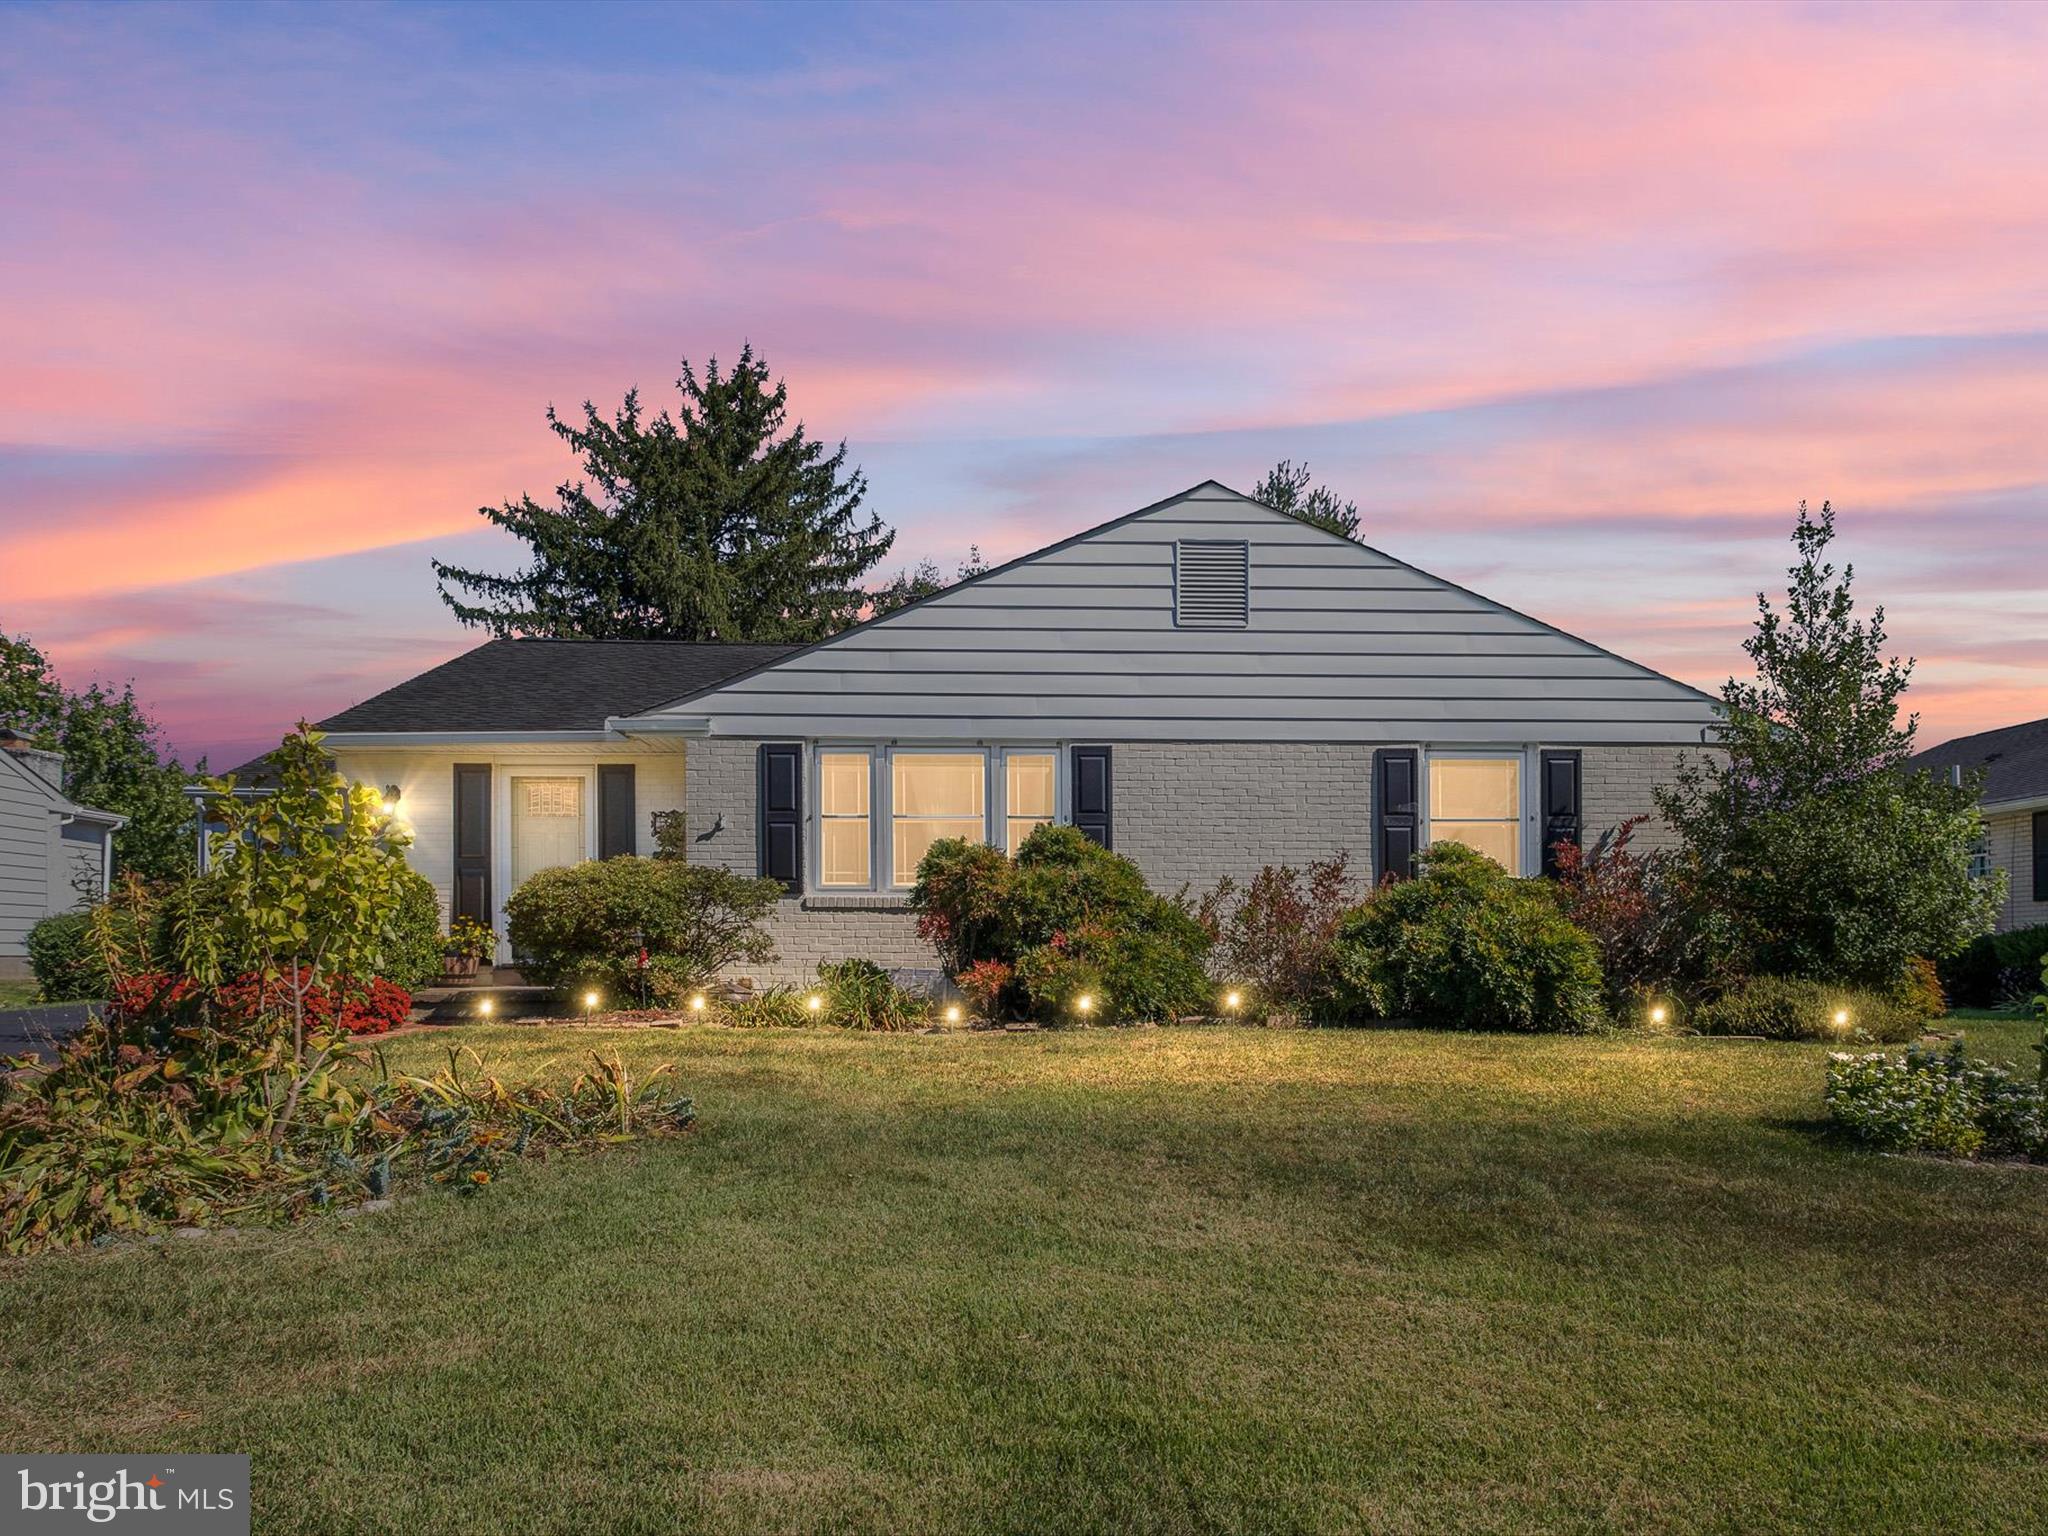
{"type": "Point", "coordinates": [1080, 641]}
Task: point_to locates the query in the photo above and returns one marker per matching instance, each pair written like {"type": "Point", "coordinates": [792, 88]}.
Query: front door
{"type": "Point", "coordinates": [548, 824]}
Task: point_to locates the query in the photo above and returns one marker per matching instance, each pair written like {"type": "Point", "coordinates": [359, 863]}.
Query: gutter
{"type": "Point", "coordinates": [460, 738]}
{"type": "Point", "coordinates": [659, 725]}
{"type": "Point", "coordinates": [2011, 807]}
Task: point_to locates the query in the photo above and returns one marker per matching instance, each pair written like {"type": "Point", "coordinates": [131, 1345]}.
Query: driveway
{"type": "Point", "coordinates": [25, 1030]}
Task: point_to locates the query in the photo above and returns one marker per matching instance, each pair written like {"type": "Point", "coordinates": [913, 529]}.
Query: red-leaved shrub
{"type": "Point", "coordinates": [361, 1008]}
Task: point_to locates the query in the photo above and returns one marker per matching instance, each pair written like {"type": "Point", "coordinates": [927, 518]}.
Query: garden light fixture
{"type": "Point", "coordinates": [589, 1002]}
{"type": "Point", "coordinates": [483, 1006]}
{"type": "Point", "coordinates": [953, 1013]}
{"type": "Point", "coordinates": [1083, 1003]}
{"type": "Point", "coordinates": [1841, 1018]}
{"type": "Point", "coordinates": [697, 1003]}
{"type": "Point", "coordinates": [814, 1002]}
{"type": "Point", "coordinates": [1659, 1014]}
{"type": "Point", "coordinates": [1231, 1001]}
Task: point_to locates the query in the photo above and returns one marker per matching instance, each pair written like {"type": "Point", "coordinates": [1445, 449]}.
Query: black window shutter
{"type": "Point", "coordinates": [1397, 815]}
{"type": "Point", "coordinates": [2041, 855]}
{"type": "Point", "coordinates": [1563, 821]}
{"type": "Point", "coordinates": [1094, 795]}
{"type": "Point", "coordinates": [471, 896]}
{"type": "Point", "coordinates": [615, 815]}
{"type": "Point", "coordinates": [781, 795]}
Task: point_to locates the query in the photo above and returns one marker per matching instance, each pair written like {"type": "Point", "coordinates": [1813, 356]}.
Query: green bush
{"type": "Point", "coordinates": [777, 1008]}
{"type": "Point", "coordinates": [1992, 970]}
{"type": "Point", "coordinates": [65, 960]}
{"type": "Point", "coordinates": [583, 925]}
{"type": "Point", "coordinates": [858, 994]}
{"type": "Point", "coordinates": [1937, 1101]}
{"type": "Point", "coordinates": [1068, 917]}
{"type": "Point", "coordinates": [1782, 1008]}
{"type": "Point", "coordinates": [1465, 946]}
{"type": "Point", "coordinates": [412, 953]}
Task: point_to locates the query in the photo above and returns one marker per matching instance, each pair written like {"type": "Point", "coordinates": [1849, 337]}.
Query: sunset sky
{"type": "Point", "coordinates": [1577, 303]}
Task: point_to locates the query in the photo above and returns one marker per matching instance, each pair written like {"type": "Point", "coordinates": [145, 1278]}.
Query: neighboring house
{"type": "Point", "coordinates": [54, 854]}
{"type": "Point", "coordinates": [1206, 685]}
{"type": "Point", "coordinates": [2014, 800]}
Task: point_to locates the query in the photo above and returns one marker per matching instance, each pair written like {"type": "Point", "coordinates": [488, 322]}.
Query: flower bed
{"type": "Point", "coordinates": [1938, 1101]}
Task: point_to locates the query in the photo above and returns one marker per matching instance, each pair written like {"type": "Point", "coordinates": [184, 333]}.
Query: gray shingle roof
{"type": "Point", "coordinates": [2014, 759]}
{"type": "Point", "coordinates": [551, 685]}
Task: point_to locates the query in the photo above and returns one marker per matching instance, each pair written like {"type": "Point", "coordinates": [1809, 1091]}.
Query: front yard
{"type": "Point", "coordinates": [1193, 1279]}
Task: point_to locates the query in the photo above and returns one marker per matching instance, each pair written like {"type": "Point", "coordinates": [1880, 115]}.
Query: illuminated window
{"type": "Point", "coordinates": [844, 840]}
{"type": "Point", "coordinates": [936, 794]}
{"type": "Point", "coordinates": [1029, 787]}
{"type": "Point", "coordinates": [1477, 801]}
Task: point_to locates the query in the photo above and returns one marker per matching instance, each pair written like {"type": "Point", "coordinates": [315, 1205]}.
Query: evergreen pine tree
{"type": "Point", "coordinates": [712, 525]}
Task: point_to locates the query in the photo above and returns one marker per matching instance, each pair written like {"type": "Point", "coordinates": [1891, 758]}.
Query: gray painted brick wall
{"type": "Point", "coordinates": [1187, 814]}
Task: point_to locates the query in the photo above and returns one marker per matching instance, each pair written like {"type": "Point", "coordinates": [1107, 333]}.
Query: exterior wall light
{"type": "Point", "coordinates": [390, 799]}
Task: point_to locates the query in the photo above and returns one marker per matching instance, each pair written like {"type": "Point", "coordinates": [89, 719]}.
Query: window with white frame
{"type": "Point", "coordinates": [1477, 800]}
{"type": "Point", "coordinates": [934, 795]}
{"type": "Point", "coordinates": [1029, 790]}
{"type": "Point", "coordinates": [845, 835]}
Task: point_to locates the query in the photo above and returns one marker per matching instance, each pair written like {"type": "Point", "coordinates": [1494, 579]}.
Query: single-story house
{"type": "Point", "coordinates": [1206, 685]}
{"type": "Point", "coordinates": [2014, 800]}
{"type": "Point", "coordinates": [54, 853]}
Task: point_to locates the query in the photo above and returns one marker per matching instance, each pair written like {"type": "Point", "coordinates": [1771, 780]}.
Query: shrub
{"type": "Point", "coordinates": [986, 984]}
{"type": "Point", "coordinates": [1783, 1008]}
{"type": "Point", "coordinates": [412, 952]}
{"type": "Point", "coordinates": [777, 1008]}
{"type": "Point", "coordinates": [1465, 946]}
{"type": "Point", "coordinates": [583, 925]}
{"type": "Point", "coordinates": [1127, 975]}
{"type": "Point", "coordinates": [1137, 954]}
{"type": "Point", "coordinates": [1920, 989]}
{"type": "Point", "coordinates": [1994, 969]}
{"type": "Point", "coordinates": [1638, 912]}
{"type": "Point", "coordinates": [1937, 1101]}
{"type": "Point", "coordinates": [65, 961]}
{"type": "Point", "coordinates": [1276, 936]}
{"type": "Point", "coordinates": [859, 994]}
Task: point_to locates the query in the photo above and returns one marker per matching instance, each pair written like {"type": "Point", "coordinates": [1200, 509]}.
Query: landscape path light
{"type": "Point", "coordinates": [483, 1006]}
{"type": "Point", "coordinates": [952, 1013]}
{"type": "Point", "coordinates": [697, 1003]}
{"type": "Point", "coordinates": [590, 1002]}
{"type": "Point", "coordinates": [814, 1002]}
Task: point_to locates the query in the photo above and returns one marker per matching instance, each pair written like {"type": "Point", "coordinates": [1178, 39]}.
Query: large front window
{"type": "Point", "coordinates": [1028, 794]}
{"type": "Point", "coordinates": [935, 795]}
{"type": "Point", "coordinates": [1477, 801]}
{"type": "Point", "coordinates": [844, 839]}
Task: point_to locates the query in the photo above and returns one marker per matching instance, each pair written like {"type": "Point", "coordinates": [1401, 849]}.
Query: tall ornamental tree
{"type": "Point", "coordinates": [1816, 852]}
{"type": "Point", "coordinates": [1286, 488]}
{"type": "Point", "coordinates": [714, 524]}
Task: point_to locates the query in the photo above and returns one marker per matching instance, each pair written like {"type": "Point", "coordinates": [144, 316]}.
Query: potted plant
{"type": "Point", "coordinates": [467, 943]}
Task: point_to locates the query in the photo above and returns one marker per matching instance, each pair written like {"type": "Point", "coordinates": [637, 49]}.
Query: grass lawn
{"type": "Point", "coordinates": [17, 994]}
{"type": "Point", "coordinates": [1160, 1280]}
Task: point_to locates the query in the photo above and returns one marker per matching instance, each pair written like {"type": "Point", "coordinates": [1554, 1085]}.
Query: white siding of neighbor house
{"type": "Point", "coordinates": [2009, 840]}
{"type": "Point", "coordinates": [425, 777]}
{"type": "Point", "coordinates": [1079, 643]}
{"type": "Point", "coordinates": [27, 831]}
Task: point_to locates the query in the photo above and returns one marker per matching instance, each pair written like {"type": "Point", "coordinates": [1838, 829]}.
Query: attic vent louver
{"type": "Point", "coordinates": [1211, 583]}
